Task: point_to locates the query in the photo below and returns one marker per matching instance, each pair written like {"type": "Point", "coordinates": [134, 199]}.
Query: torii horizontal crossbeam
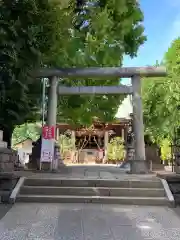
{"type": "Point", "coordinates": [101, 72]}
{"type": "Point", "coordinates": [101, 90]}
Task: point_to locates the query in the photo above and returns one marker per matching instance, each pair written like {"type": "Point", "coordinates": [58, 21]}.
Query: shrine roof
{"type": "Point", "coordinates": [99, 125]}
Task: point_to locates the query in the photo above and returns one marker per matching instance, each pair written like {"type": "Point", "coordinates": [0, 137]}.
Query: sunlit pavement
{"type": "Point", "coordinates": [89, 222]}
{"type": "Point", "coordinates": [87, 172]}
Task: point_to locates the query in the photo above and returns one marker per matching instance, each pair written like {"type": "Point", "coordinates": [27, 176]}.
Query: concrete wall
{"type": "Point", "coordinates": [27, 144]}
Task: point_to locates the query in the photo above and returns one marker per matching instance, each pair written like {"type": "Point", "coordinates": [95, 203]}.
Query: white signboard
{"type": "Point", "coordinates": [47, 150]}
{"type": "Point", "coordinates": [47, 145]}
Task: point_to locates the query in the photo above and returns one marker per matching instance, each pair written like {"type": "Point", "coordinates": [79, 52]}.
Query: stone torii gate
{"type": "Point", "coordinates": [139, 165]}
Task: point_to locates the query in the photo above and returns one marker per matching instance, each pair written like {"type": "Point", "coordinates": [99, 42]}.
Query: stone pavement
{"type": "Point", "coordinates": [87, 172]}
{"type": "Point", "coordinates": [89, 222]}
{"type": "Point", "coordinates": [4, 208]}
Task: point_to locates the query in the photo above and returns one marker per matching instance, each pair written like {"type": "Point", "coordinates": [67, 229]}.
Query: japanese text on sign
{"type": "Point", "coordinates": [48, 132]}
{"type": "Point", "coordinates": [47, 156]}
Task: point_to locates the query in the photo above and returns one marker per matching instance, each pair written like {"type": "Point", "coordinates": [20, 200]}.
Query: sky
{"type": "Point", "coordinates": [162, 26]}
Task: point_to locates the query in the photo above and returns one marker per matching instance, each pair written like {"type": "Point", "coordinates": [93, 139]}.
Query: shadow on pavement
{"type": "Point", "coordinates": [4, 208]}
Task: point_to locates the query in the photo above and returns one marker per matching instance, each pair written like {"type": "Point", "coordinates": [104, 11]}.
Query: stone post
{"type": "Point", "coordinates": [73, 153]}
{"type": "Point", "coordinates": [139, 164]}
{"type": "Point", "coordinates": [106, 140]}
{"type": "Point", "coordinates": [52, 102]}
{"type": "Point", "coordinates": [57, 134]}
{"type": "Point", "coordinates": [122, 134]}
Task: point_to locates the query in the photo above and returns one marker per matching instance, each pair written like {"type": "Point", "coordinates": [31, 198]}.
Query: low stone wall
{"type": "Point", "coordinates": [8, 158]}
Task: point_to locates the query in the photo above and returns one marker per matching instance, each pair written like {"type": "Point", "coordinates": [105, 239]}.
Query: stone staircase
{"type": "Point", "coordinates": [133, 192]}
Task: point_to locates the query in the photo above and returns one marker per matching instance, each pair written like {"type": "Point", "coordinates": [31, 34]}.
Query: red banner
{"type": "Point", "coordinates": [49, 132]}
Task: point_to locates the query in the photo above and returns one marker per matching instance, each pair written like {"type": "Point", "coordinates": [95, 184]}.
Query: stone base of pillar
{"type": "Point", "coordinates": [45, 166]}
{"type": "Point", "coordinates": [177, 169]}
{"type": "Point", "coordinates": [139, 167]}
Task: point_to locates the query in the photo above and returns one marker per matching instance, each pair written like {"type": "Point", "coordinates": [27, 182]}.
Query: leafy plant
{"type": "Point", "coordinates": [28, 130]}
{"type": "Point", "coordinates": [165, 149]}
{"type": "Point", "coordinates": [116, 150]}
{"type": "Point", "coordinates": [66, 144]}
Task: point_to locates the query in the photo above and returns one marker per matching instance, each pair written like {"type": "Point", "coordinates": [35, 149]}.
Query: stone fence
{"type": "Point", "coordinates": [8, 157]}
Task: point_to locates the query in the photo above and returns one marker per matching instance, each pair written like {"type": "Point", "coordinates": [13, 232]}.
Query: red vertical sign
{"type": "Point", "coordinates": [48, 132]}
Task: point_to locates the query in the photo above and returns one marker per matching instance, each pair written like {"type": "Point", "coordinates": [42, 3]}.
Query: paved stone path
{"type": "Point", "coordinates": [89, 222]}
{"type": "Point", "coordinates": [87, 171]}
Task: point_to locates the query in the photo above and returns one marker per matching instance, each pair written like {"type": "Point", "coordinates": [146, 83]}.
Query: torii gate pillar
{"type": "Point", "coordinates": [51, 118]}
{"type": "Point", "coordinates": [139, 164]}
{"type": "Point", "coordinates": [52, 101]}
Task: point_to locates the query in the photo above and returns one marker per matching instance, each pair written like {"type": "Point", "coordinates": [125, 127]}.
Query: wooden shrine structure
{"type": "Point", "coordinates": [91, 143]}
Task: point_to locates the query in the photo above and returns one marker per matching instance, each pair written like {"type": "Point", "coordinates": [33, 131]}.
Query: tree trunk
{"type": "Point", "coordinates": [7, 134]}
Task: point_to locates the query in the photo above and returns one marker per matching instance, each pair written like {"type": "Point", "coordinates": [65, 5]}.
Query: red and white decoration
{"type": "Point", "coordinates": [48, 132]}
{"type": "Point", "coordinates": [48, 141]}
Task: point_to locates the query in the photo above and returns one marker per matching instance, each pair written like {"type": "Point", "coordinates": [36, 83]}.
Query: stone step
{"type": "Point", "coordinates": [158, 201]}
{"type": "Point", "coordinates": [94, 183]}
{"type": "Point", "coordinates": [92, 191]}
{"type": "Point", "coordinates": [4, 195]}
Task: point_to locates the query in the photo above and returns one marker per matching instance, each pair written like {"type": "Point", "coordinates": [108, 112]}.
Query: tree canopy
{"type": "Point", "coordinates": [107, 30]}
{"type": "Point", "coordinates": [28, 28]}
{"type": "Point", "coordinates": [25, 131]}
{"type": "Point", "coordinates": [70, 33]}
{"type": "Point", "coordinates": [161, 98]}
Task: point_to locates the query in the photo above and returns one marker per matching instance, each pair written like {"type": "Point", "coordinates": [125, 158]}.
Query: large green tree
{"type": "Point", "coordinates": [69, 33]}
{"type": "Point", "coordinates": [161, 98]}
{"type": "Point", "coordinates": [28, 30]}
{"type": "Point", "coordinates": [104, 32]}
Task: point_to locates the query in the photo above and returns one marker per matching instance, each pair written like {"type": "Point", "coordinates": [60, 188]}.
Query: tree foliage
{"type": "Point", "coordinates": [106, 31]}
{"type": "Point", "coordinates": [116, 150]}
{"type": "Point", "coordinates": [161, 98]}
{"type": "Point", "coordinates": [165, 149]}
{"type": "Point", "coordinates": [27, 130]}
{"type": "Point", "coordinates": [27, 32]}
{"type": "Point", "coordinates": [70, 33]}
{"type": "Point", "coordinates": [66, 145]}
